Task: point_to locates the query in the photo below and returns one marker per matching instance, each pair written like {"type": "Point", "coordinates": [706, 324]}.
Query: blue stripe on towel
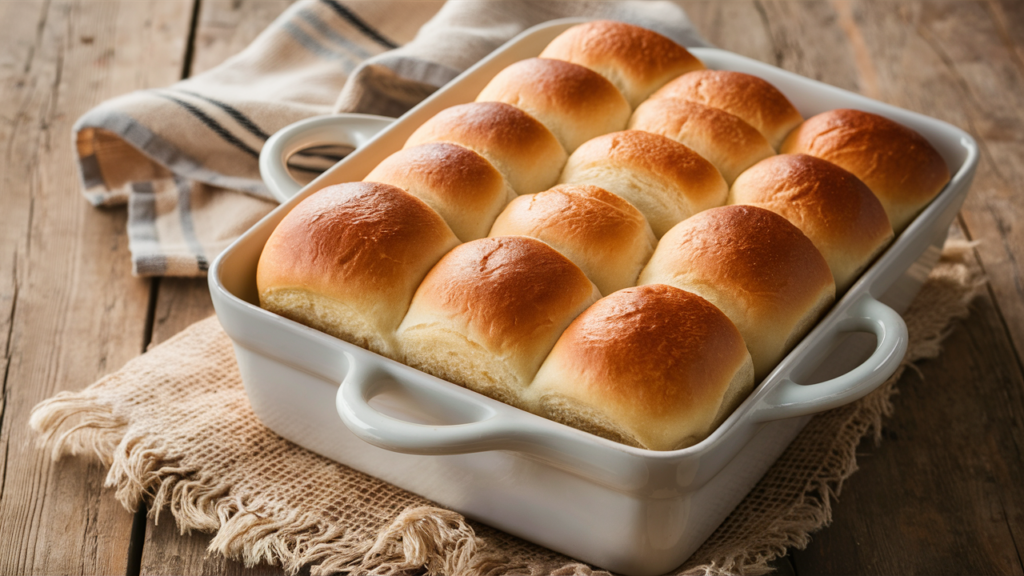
{"type": "Point", "coordinates": [310, 43]}
{"type": "Point", "coordinates": [331, 34]}
{"type": "Point", "coordinates": [188, 229]}
{"type": "Point", "coordinates": [360, 24]}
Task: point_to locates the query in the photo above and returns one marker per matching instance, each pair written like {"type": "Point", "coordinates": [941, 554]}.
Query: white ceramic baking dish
{"type": "Point", "coordinates": [626, 509]}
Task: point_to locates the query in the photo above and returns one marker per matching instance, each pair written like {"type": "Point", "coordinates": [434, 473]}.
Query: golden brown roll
{"type": "Point", "coordinates": [902, 168]}
{"type": "Point", "coordinates": [461, 185]}
{"type": "Point", "coordinates": [664, 179]}
{"type": "Point", "coordinates": [636, 60]}
{"type": "Point", "coordinates": [756, 267]}
{"type": "Point", "coordinates": [489, 312]}
{"type": "Point", "coordinates": [600, 232]}
{"type": "Point", "coordinates": [829, 205]}
{"type": "Point", "coordinates": [574, 102]}
{"type": "Point", "coordinates": [652, 366]}
{"type": "Point", "coordinates": [347, 260]}
{"type": "Point", "coordinates": [754, 100]}
{"type": "Point", "coordinates": [725, 140]}
{"type": "Point", "coordinates": [517, 144]}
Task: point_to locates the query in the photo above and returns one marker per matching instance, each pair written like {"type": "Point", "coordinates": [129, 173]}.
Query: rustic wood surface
{"type": "Point", "coordinates": [940, 494]}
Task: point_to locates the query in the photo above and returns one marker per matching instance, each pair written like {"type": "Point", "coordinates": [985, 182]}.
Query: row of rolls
{"type": "Point", "coordinates": [611, 236]}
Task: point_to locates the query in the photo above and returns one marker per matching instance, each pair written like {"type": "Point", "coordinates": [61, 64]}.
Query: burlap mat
{"type": "Point", "coordinates": [175, 427]}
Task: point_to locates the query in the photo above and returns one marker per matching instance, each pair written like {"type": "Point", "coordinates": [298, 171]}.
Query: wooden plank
{"type": "Point", "coordinates": [180, 303]}
{"type": "Point", "coordinates": [224, 28]}
{"type": "Point", "coordinates": [784, 34]}
{"type": "Point", "coordinates": [988, 76]}
{"type": "Point", "coordinates": [721, 22]}
{"type": "Point", "coordinates": [69, 309]}
{"type": "Point", "coordinates": [941, 494]}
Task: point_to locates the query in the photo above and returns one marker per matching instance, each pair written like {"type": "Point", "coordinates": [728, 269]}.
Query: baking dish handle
{"type": "Point", "coordinates": [479, 425]}
{"type": "Point", "coordinates": [789, 399]}
{"type": "Point", "coordinates": [331, 130]}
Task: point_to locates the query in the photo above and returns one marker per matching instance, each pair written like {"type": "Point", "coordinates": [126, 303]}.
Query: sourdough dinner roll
{"type": "Point", "coordinates": [902, 168]}
{"type": "Point", "coordinates": [600, 232]}
{"type": "Point", "coordinates": [652, 366]}
{"type": "Point", "coordinates": [752, 99]}
{"type": "Point", "coordinates": [574, 102]}
{"type": "Point", "coordinates": [347, 260]}
{"type": "Point", "coordinates": [756, 267]}
{"type": "Point", "coordinates": [829, 205]}
{"type": "Point", "coordinates": [458, 183]}
{"type": "Point", "coordinates": [725, 140]}
{"type": "Point", "coordinates": [664, 179]}
{"type": "Point", "coordinates": [489, 312]}
{"type": "Point", "coordinates": [519, 146]}
{"type": "Point", "coordinates": [636, 60]}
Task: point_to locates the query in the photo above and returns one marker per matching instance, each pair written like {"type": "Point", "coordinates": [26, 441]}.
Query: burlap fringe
{"type": "Point", "coordinates": [436, 540]}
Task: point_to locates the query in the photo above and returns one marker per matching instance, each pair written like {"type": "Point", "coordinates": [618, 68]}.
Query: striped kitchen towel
{"type": "Point", "coordinates": [184, 158]}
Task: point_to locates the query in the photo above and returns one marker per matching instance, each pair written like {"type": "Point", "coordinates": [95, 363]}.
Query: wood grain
{"type": "Point", "coordinates": [70, 311]}
{"type": "Point", "coordinates": [987, 80]}
{"type": "Point", "coordinates": [224, 28]}
{"type": "Point", "coordinates": [941, 493]}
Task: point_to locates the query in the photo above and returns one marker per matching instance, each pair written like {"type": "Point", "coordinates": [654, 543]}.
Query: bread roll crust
{"type": "Point", "coordinates": [573, 101]}
{"type": "Point", "coordinates": [636, 60]}
{"type": "Point", "coordinates": [832, 207]}
{"type": "Point", "coordinates": [750, 98]}
{"type": "Point", "coordinates": [600, 232]}
{"type": "Point", "coordinates": [725, 140]}
{"type": "Point", "coordinates": [695, 369]}
{"type": "Point", "coordinates": [489, 312]}
{"type": "Point", "coordinates": [899, 165]}
{"type": "Point", "coordinates": [461, 185]}
{"type": "Point", "coordinates": [664, 179]}
{"type": "Point", "coordinates": [347, 260]}
{"type": "Point", "coordinates": [525, 152]}
{"type": "Point", "coordinates": [756, 267]}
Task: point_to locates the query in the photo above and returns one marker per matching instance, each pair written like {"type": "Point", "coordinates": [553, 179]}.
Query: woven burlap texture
{"type": "Point", "coordinates": [176, 430]}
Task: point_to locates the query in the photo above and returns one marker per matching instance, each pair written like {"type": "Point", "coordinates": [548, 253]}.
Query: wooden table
{"type": "Point", "coordinates": [941, 494]}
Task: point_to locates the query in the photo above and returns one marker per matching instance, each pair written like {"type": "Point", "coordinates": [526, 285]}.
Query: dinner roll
{"type": "Point", "coordinates": [664, 179]}
{"type": "Point", "coordinates": [829, 205]}
{"type": "Point", "coordinates": [519, 146]}
{"type": "Point", "coordinates": [652, 366]}
{"type": "Point", "coordinates": [756, 267]}
{"type": "Point", "coordinates": [574, 102]}
{"type": "Point", "coordinates": [489, 312]}
{"type": "Point", "coordinates": [347, 260]}
{"type": "Point", "coordinates": [725, 140]}
{"type": "Point", "coordinates": [600, 232]}
{"type": "Point", "coordinates": [461, 185]}
{"type": "Point", "coordinates": [636, 60]}
{"type": "Point", "coordinates": [754, 100]}
{"type": "Point", "coordinates": [902, 168]}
